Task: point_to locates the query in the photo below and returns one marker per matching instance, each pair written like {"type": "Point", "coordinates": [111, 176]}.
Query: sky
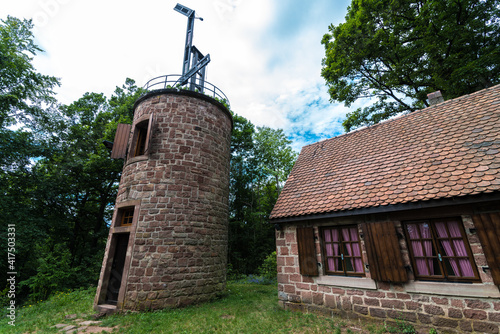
{"type": "Point", "coordinates": [265, 54]}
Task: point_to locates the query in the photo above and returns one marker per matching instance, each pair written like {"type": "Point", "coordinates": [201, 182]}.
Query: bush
{"type": "Point", "coordinates": [269, 268]}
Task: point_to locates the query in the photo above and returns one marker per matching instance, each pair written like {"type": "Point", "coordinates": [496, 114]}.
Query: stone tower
{"type": "Point", "coordinates": [167, 245]}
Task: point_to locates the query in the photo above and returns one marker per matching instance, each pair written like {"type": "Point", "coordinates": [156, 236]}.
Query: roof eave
{"type": "Point", "coordinates": [484, 197]}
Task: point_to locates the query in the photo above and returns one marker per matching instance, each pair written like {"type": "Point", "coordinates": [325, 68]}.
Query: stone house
{"type": "Point", "coordinates": [400, 220]}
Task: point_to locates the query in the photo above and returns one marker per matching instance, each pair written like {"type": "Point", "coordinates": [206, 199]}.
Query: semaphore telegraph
{"type": "Point", "coordinates": [194, 62]}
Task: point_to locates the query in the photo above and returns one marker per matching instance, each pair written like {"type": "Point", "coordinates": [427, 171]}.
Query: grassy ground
{"type": "Point", "coordinates": [246, 308]}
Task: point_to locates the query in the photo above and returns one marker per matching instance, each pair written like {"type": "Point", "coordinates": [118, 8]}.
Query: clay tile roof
{"type": "Point", "coordinates": [446, 150]}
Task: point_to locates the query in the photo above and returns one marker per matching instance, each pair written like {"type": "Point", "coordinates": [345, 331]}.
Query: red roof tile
{"type": "Point", "coordinates": [447, 150]}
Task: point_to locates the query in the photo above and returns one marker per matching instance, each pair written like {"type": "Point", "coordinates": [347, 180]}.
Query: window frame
{"type": "Point", "coordinates": [439, 249]}
{"type": "Point", "coordinates": [141, 138]}
{"type": "Point", "coordinates": [125, 216]}
{"type": "Point", "coordinates": [342, 257]}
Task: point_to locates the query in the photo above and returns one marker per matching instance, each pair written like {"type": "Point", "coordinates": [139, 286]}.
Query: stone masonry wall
{"type": "Point", "coordinates": [179, 253]}
{"type": "Point", "coordinates": [387, 302]}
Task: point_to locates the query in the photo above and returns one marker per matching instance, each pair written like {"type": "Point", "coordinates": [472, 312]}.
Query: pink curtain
{"type": "Point", "coordinates": [332, 248]}
{"type": "Point", "coordinates": [353, 248]}
{"type": "Point", "coordinates": [462, 264]}
{"type": "Point", "coordinates": [425, 233]}
{"type": "Point", "coordinates": [418, 251]}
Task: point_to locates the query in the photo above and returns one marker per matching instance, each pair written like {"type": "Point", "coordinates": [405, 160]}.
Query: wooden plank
{"type": "Point", "coordinates": [488, 230]}
{"type": "Point", "coordinates": [371, 253]}
{"type": "Point", "coordinates": [121, 141]}
{"type": "Point", "coordinates": [384, 254]}
{"type": "Point", "coordinates": [149, 134]}
{"type": "Point", "coordinates": [307, 251]}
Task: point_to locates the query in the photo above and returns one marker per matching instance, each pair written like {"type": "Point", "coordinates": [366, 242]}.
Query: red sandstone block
{"type": "Point", "coordinates": [411, 305]}
{"type": "Point", "coordinates": [372, 302]}
{"type": "Point", "coordinates": [485, 327]}
{"type": "Point", "coordinates": [346, 303]}
{"type": "Point", "coordinates": [295, 278]}
{"type": "Point", "coordinates": [391, 295]}
{"type": "Point", "coordinates": [474, 303]}
{"type": "Point", "coordinates": [494, 316]}
{"type": "Point", "coordinates": [424, 318]}
{"type": "Point", "coordinates": [440, 301]}
{"type": "Point", "coordinates": [288, 288]}
{"type": "Point", "coordinates": [325, 289]}
{"type": "Point", "coordinates": [376, 294]}
{"type": "Point", "coordinates": [317, 298]}
{"type": "Point", "coordinates": [283, 250]}
{"type": "Point", "coordinates": [377, 312]}
{"type": "Point", "coordinates": [465, 325]}
{"type": "Point", "coordinates": [403, 296]}
{"type": "Point", "coordinates": [337, 291]}
{"type": "Point", "coordinates": [433, 309]}
{"type": "Point", "coordinates": [457, 303]}
{"type": "Point", "coordinates": [355, 292]}
{"type": "Point", "coordinates": [445, 322]}
{"type": "Point", "coordinates": [420, 298]}
{"type": "Point", "coordinates": [330, 301]}
{"type": "Point", "coordinates": [290, 270]}
{"type": "Point", "coordinates": [455, 313]}
{"type": "Point", "coordinates": [283, 278]}
{"type": "Point", "coordinates": [303, 286]}
{"type": "Point", "coordinates": [306, 297]}
{"type": "Point", "coordinates": [475, 314]}
{"type": "Point", "coordinates": [392, 303]}
{"type": "Point", "coordinates": [361, 309]}
{"type": "Point", "coordinates": [357, 300]}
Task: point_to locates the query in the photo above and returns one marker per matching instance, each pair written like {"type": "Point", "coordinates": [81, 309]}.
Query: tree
{"type": "Point", "coordinates": [276, 157]}
{"type": "Point", "coordinates": [261, 159]}
{"type": "Point", "coordinates": [398, 51]}
{"type": "Point", "coordinates": [23, 93]}
{"type": "Point", "coordinates": [22, 89]}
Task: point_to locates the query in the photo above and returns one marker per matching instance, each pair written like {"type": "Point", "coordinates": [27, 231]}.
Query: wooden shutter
{"type": "Point", "coordinates": [149, 134]}
{"type": "Point", "coordinates": [488, 230]}
{"type": "Point", "coordinates": [307, 251]}
{"type": "Point", "coordinates": [384, 254]}
{"type": "Point", "coordinates": [121, 141]}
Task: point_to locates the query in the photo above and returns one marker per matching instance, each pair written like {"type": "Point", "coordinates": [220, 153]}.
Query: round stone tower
{"type": "Point", "coordinates": [167, 245]}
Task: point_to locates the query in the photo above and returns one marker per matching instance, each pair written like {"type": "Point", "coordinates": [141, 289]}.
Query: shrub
{"type": "Point", "coordinates": [269, 267]}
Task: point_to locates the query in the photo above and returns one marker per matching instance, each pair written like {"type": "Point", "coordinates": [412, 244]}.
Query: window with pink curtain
{"type": "Point", "coordinates": [453, 244]}
{"type": "Point", "coordinates": [342, 251]}
{"type": "Point", "coordinates": [439, 251]}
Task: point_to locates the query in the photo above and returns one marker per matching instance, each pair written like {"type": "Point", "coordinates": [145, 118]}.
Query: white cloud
{"type": "Point", "coordinates": [266, 55]}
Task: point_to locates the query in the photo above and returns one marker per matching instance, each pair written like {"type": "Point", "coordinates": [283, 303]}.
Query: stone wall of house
{"type": "Point", "coordinates": [385, 301]}
{"type": "Point", "coordinates": [179, 248]}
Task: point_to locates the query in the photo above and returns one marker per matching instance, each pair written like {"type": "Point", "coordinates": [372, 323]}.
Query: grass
{"type": "Point", "coordinates": [246, 308]}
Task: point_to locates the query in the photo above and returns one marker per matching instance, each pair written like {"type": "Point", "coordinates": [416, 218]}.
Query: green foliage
{"type": "Point", "coordinates": [269, 267]}
{"type": "Point", "coordinates": [261, 159]}
{"type": "Point", "coordinates": [22, 89]}
{"type": "Point", "coordinates": [53, 272]}
{"type": "Point", "coordinates": [399, 51]}
{"type": "Point", "coordinates": [433, 331]}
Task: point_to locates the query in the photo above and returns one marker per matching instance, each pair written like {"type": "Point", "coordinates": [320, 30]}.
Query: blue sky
{"type": "Point", "coordinates": [265, 54]}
